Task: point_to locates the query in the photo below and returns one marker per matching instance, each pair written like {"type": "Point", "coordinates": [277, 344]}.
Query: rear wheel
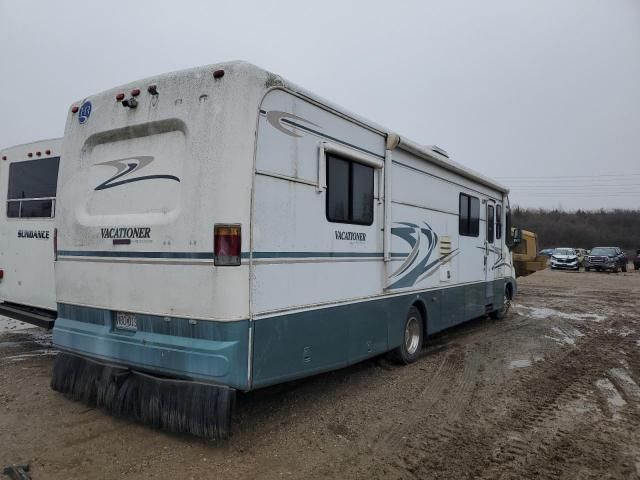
{"type": "Point", "coordinates": [624, 268]}
{"type": "Point", "coordinates": [409, 349]}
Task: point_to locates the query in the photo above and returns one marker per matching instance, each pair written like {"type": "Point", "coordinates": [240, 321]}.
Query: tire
{"type": "Point", "coordinates": [624, 268]}
{"type": "Point", "coordinates": [502, 312]}
{"type": "Point", "coordinates": [587, 269]}
{"type": "Point", "coordinates": [412, 339]}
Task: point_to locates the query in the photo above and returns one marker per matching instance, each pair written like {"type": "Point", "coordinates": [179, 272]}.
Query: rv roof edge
{"type": "Point", "coordinates": [26, 144]}
{"type": "Point", "coordinates": [444, 162]}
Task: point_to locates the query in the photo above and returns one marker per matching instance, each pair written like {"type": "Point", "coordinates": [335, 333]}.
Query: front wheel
{"type": "Point", "coordinates": [506, 303]}
{"type": "Point", "coordinates": [409, 349]}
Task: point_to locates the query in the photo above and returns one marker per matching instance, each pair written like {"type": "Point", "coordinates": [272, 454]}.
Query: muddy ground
{"type": "Point", "coordinates": [549, 392]}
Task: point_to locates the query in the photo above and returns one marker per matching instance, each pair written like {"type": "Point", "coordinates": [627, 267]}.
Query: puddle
{"type": "Point", "coordinates": [37, 353]}
{"type": "Point", "coordinates": [565, 337]}
{"type": "Point", "coordinates": [623, 332]}
{"type": "Point", "coordinates": [540, 313]}
{"type": "Point", "coordinates": [11, 325]}
{"type": "Point", "coordinates": [525, 362]}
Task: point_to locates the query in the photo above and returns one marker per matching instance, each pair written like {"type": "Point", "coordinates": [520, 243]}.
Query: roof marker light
{"type": "Point", "coordinates": [47, 152]}
{"type": "Point", "coordinates": [218, 74]}
{"type": "Point", "coordinates": [29, 154]}
{"type": "Point", "coordinates": [38, 153]}
{"type": "Point", "coordinates": [75, 109]}
{"type": "Point", "coordinates": [4, 157]}
{"type": "Point", "coordinates": [120, 96]}
{"type": "Point", "coordinates": [152, 89]}
{"type": "Point", "coordinates": [135, 92]}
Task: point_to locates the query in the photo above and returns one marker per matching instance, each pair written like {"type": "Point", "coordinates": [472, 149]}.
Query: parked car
{"type": "Point", "coordinates": [546, 252]}
{"type": "Point", "coordinates": [636, 261]}
{"type": "Point", "coordinates": [606, 258]}
{"type": "Point", "coordinates": [565, 258]}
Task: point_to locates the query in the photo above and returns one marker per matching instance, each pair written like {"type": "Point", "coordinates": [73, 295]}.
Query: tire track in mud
{"type": "Point", "coordinates": [533, 432]}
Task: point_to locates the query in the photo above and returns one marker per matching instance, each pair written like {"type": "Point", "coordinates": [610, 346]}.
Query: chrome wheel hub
{"type": "Point", "coordinates": [412, 335]}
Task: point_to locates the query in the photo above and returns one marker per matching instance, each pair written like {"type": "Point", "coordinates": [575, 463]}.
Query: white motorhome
{"type": "Point", "coordinates": [28, 179]}
{"type": "Point", "coordinates": [223, 225]}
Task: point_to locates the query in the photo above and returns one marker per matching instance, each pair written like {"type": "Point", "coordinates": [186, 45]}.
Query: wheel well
{"type": "Point", "coordinates": [419, 304]}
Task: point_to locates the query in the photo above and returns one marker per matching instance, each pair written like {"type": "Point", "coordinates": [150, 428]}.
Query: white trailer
{"type": "Point", "coordinates": [224, 226]}
{"type": "Point", "coordinates": [28, 180]}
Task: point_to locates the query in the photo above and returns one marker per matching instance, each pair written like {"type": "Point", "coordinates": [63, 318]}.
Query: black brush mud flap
{"type": "Point", "coordinates": [176, 405]}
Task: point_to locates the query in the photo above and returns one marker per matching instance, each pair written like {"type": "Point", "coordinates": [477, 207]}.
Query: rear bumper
{"type": "Point", "coordinates": [206, 351]}
{"type": "Point", "coordinates": [35, 316]}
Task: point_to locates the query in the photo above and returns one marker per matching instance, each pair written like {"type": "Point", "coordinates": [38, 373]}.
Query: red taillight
{"type": "Point", "coordinates": [227, 244]}
{"type": "Point", "coordinates": [48, 152]}
{"type": "Point", "coordinates": [120, 96]}
{"type": "Point", "coordinates": [218, 74]}
{"type": "Point", "coordinates": [135, 92]}
{"type": "Point", "coordinates": [4, 157]}
{"type": "Point", "coordinates": [75, 109]}
{"type": "Point", "coordinates": [38, 153]}
{"type": "Point", "coordinates": [55, 244]}
{"type": "Point", "coordinates": [29, 154]}
{"type": "Point", "coordinates": [1, 274]}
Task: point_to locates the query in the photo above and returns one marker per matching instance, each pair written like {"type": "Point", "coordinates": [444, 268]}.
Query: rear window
{"type": "Point", "coordinates": [32, 188]}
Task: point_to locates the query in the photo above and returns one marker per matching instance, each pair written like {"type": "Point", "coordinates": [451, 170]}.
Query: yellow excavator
{"type": "Point", "coordinates": [525, 253]}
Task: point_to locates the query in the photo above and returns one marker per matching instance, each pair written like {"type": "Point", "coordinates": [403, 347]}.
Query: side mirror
{"type": "Point", "coordinates": [515, 238]}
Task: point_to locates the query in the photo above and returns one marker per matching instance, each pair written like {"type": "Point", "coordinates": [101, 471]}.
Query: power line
{"type": "Point", "coordinates": [569, 176]}
{"type": "Point", "coordinates": [625, 185]}
{"type": "Point", "coordinates": [577, 194]}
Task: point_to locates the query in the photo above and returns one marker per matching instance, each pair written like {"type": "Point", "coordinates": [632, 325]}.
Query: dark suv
{"type": "Point", "coordinates": [606, 258]}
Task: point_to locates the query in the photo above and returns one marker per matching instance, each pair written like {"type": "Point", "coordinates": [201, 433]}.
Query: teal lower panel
{"type": "Point", "coordinates": [214, 352]}
{"type": "Point", "coordinates": [299, 344]}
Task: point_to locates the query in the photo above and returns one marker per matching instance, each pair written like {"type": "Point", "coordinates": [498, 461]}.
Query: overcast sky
{"type": "Point", "coordinates": [543, 95]}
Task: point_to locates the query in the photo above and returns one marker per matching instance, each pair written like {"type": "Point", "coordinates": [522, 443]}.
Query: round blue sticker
{"type": "Point", "coordinates": [85, 112]}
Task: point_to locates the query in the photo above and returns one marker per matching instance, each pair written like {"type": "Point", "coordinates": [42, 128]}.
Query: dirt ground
{"type": "Point", "coordinates": [552, 391]}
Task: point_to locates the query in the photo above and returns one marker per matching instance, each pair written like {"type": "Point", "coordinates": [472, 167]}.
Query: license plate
{"type": "Point", "coordinates": [126, 321]}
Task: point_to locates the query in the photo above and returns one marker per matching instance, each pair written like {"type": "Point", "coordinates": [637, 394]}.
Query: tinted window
{"type": "Point", "coordinates": [362, 193]}
{"type": "Point", "coordinates": [337, 190]}
{"type": "Point", "coordinates": [474, 216]}
{"type": "Point", "coordinates": [33, 179]}
{"type": "Point", "coordinates": [490, 223]}
{"type": "Point", "coordinates": [499, 221]}
{"type": "Point", "coordinates": [349, 191]}
{"type": "Point", "coordinates": [469, 216]}
{"type": "Point", "coordinates": [32, 188]}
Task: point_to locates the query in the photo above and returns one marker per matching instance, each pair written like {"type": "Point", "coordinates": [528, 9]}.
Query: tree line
{"type": "Point", "coordinates": [581, 229]}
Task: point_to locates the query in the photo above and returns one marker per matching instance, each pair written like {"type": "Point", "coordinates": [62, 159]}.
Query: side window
{"type": "Point", "coordinates": [469, 216]}
{"type": "Point", "coordinates": [490, 223]}
{"type": "Point", "coordinates": [32, 188]}
{"type": "Point", "coordinates": [349, 191]}
{"type": "Point", "coordinates": [498, 221]}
